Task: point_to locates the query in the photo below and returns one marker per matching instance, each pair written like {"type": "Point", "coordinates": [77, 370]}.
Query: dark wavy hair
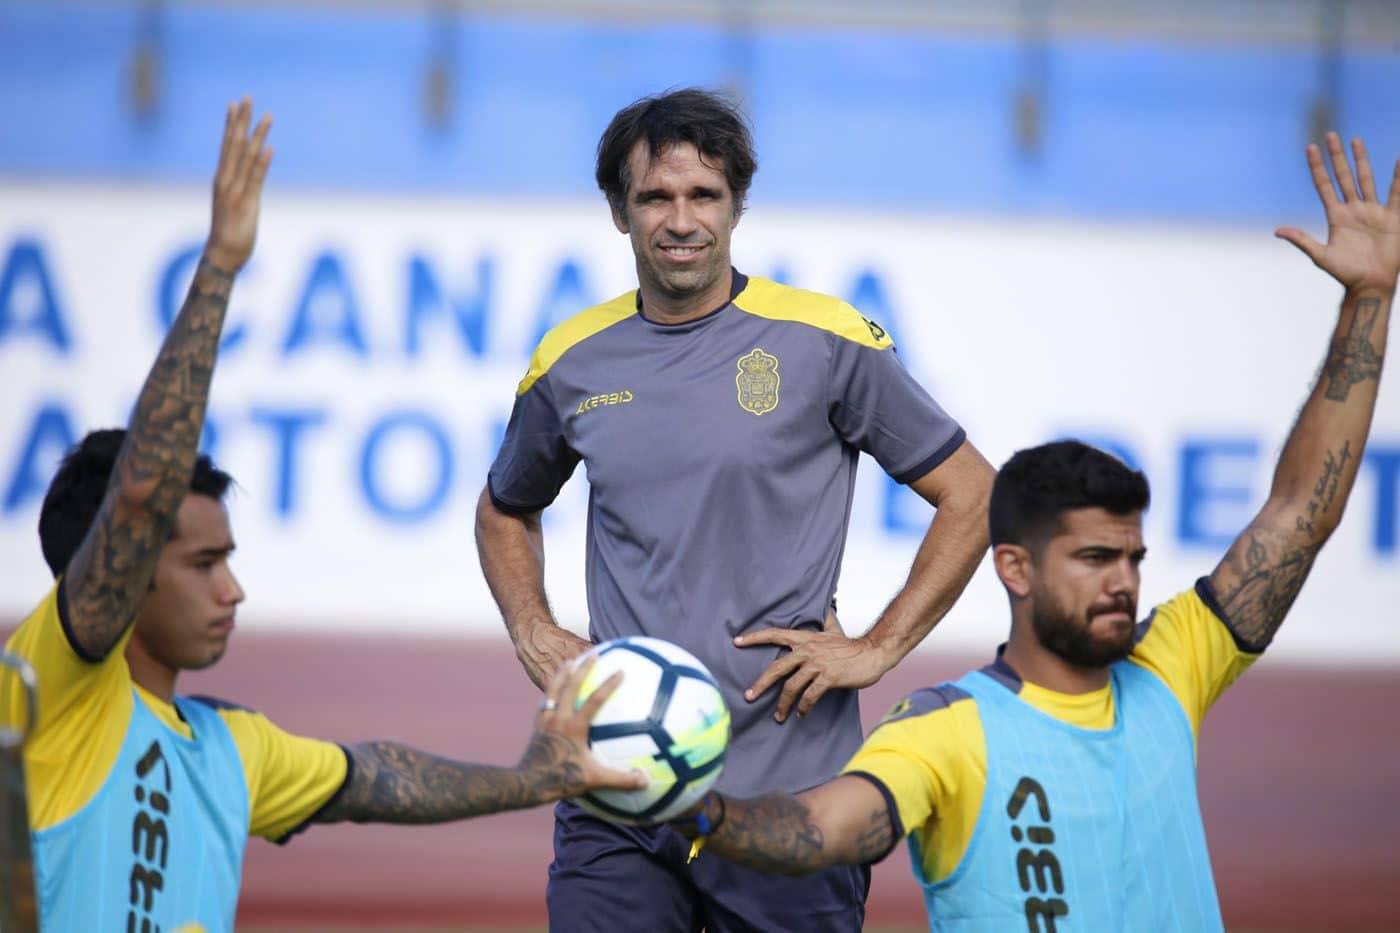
{"type": "Point", "coordinates": [1036, 485]}
{"type": "Point", "coordinates": [75, 495]}
{"type": "Point", "coordinates": [708, 121]}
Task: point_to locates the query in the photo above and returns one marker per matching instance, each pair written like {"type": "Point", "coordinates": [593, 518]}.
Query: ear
{"type": "Point", "coordinates": [1015, 567]}
{"type": "Point", "coordinates": [620, 219]}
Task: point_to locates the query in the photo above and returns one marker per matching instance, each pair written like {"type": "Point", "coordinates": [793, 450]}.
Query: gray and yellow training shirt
{"type": "Point", "coordinates": [721, 461]}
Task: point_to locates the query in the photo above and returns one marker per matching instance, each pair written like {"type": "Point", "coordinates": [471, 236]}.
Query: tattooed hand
{"type": "Point", "coordinates": [558, 756]}
{"type": "Point", "coordinates": [1363, 234]}
{"type": "Point", "coordinates": [238, 186]}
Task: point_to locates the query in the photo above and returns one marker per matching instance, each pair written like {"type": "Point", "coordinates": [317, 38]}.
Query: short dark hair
{"type": "Point", "coordinates": [75, 495]}
{"type": "Point", "coordinates": [1038, 484]}
{"type": "Point", "coordinates": [706, 120]}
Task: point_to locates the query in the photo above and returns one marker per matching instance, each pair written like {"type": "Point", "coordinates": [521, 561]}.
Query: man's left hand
{"type": "Point", "coordinates": [814, 663]}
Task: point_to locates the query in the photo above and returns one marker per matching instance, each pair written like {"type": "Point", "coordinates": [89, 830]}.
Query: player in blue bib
{"type": "Point", "coordinates": [141, 799]}
{"type": "Point", "coordinates": [1055, 788]}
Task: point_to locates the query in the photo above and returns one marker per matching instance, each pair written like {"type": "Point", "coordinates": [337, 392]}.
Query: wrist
{"type": "Point", "coordinates": [706, 818]}
{"type": "Point", "coordinates": [220, 261]}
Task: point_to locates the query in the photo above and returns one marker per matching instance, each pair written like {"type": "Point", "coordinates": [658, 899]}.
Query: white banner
{"type": "Point", "coordinates": [374, 344]}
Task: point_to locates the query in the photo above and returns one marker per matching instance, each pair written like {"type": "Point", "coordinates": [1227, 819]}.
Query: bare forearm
{"type": "Point", "coordinates": [951, 550]}
{"type": "Point", "coordinates": [392, 783]}
{"type": "Point", "coordinates": [511, 549]}
{"type": "Point", "coordinates": [109, 574]}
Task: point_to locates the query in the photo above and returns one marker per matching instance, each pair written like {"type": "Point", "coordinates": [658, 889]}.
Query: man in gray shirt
{"type": "Point", "coordinates": [719, 418]}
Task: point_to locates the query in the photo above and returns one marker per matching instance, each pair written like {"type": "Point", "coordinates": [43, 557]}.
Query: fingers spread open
{"type": "Point", "coordinates": [1341, 167]}
{"type": "Point", "coordinates": [1366, 181]}
{"type": "Point", "coordinates": [792, 691]}
{"type": "Point", "coordinates": [1298, 238]}
{"type": "Point", "coordinates": [598, 697]}
{"type": "Point", "coordinates": [775, 672]}
{"type": "Point", "coordinates": [1321, 181]}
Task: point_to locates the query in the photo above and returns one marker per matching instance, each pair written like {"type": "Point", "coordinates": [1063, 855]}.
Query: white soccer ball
{"type": "Point", "coordinates": [666, 719]}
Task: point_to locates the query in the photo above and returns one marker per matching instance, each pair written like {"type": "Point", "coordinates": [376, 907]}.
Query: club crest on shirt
{"type": "Point", "coordinates": [758, 382]}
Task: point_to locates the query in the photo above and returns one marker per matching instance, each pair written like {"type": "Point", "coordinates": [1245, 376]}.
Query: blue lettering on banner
{"type": "Point", "coordinates": [174, 283]}
{"type": "Point", "coordinates": [568, 294]}
{"type": "Point", "coordinates": [48, 439]}
{"type": "Point", "coordinates": [1385, 464]}
{"type": "Point", "coordinates": [426, 427]}
{"type": "Point", "coordinates": [327, 310]}
{"type": "Point", "coordinates": [288, 428]}
{"type": "Point", "coordinates": [471, 312]}
{"type": "Point", "coordinates": [1212, 507]}
{"type": "Point", "coordinates": [27, 285]}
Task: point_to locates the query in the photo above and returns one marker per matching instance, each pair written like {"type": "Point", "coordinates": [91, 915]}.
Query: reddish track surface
{"type": "Point", "coordinates": [1299, 777]}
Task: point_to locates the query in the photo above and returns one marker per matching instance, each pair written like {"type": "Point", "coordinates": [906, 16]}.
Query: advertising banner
{"type": "Point", "coordinates": [374, 344]}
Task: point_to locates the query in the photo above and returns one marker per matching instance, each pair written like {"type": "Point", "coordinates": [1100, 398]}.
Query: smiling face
{"type": "Point", "coordinates": [679, 213]}
{"type": "Point", "coordinates": [1082, 586]}
{"type": "Point", "coordinates": [187, 616]}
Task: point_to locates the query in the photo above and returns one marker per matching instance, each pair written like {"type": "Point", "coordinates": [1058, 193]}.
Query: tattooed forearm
{"type": "Point", "coordinates": [393, 783]}
{"type": "Point", "coordinates": [773, 833]}
{"type": "Point", "coordinates": [1259, 579]}
{"type": "Point", "coordinates": [109, 574]}
{"type": "Point", "coordinates": [876, 839]}
{"type": "Point", "coordinates": [1353, 357]}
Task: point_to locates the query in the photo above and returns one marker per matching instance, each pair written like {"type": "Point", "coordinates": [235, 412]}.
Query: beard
{"type": "Point", "coordinates": [1073, 640]}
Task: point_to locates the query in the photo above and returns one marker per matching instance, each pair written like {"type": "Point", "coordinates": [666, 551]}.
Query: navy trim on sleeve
{"type": "Point", "coordinates": [306, 823]}
{"type": "Point", "coordinates": [1206, 591]}
{"type": "Point", "coordinates": [67, 627]}
{"type": "Point", "coordinates": [510, 508]}
{"type": "Point", "coordinates": [899, 832]}
{"type": "Point", "coordinates": [937, 457]}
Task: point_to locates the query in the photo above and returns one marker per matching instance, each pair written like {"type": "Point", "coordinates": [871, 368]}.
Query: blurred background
{"type": "Point", "coordinates": [1061, 209]}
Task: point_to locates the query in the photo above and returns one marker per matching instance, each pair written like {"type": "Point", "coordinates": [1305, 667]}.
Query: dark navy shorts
{"type": "Point", "coordinates": [609, 878]}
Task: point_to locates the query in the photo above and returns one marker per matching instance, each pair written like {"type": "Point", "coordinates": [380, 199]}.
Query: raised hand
{"type": "Point", "coordinates": [1363, 234]}
{"type": "Point", "coordinates": [238, 183]}
{"type": "Point", "coordinates": [558, 756]}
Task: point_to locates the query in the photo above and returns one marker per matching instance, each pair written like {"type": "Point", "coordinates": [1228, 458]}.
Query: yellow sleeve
{"type": "Point", "coordinates": [289, 777]}
{"type": "Point", "coordinates": [84, 708]}
{"type": "Point", "coordinates": [930, 754]}
{"type": "Point", "coordinates": [1190, 647]}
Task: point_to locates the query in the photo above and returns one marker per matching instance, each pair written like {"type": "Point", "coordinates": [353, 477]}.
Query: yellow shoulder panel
{"type": "Point", "coordinates": [289, 776]}
{"type": "Point", "coordinates": [575, 330]}
{"type": "Point", "coordinates": [934, 764]}
{"type": "Point", "coordinates": [84, 711]}
{"type": "Point", "coordinates": [1192, 652]}
{"type": "Point", "coordinates": [767, 299]}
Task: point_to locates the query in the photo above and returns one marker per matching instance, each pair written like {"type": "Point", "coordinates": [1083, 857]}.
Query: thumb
{"type": "Point", "coordinates": [1298, 238]}
{"type": "Point", "coordinates": [622, 780]}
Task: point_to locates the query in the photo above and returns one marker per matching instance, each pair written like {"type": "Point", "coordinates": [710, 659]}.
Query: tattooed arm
{"type": "Point", "coordinates": [107, 577]}
{"type": "Point", "coordinates": [845, 821]}
{"type": "Point", "coordinates": [1261, 574]}
{"type": "Point", "coordinates": [392, 783]}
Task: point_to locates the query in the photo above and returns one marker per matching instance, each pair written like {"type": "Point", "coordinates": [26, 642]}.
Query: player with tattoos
{"type": "Point", "coordinates": [140, 799]}
{"type": "Point", "coordinates": [1057, 784]}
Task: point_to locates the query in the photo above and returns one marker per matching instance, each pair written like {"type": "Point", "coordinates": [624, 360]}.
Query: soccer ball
{"type": "Point", "coordinates": [666, 719]}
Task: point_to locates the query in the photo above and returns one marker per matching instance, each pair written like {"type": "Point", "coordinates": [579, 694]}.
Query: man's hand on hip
{"type": "Point", "coordinates": [814, 663]}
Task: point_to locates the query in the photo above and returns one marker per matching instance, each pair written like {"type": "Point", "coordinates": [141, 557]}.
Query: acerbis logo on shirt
{"type": "Point", "coordinates": [612, 398]}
